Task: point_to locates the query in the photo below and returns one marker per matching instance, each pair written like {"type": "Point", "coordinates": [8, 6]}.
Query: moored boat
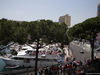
{"type": "Point", "coordinates": [12, 66]}
{"type": "Point", "coordinates": [29, 61]}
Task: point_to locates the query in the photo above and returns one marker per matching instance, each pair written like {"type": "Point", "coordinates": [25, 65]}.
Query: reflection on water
{"type": "Point", "coordinates": [2, 64]}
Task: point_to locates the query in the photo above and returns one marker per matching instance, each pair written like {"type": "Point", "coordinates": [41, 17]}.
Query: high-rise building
{"type": "Point", "coordinates": [98, 10]}
{"type": "Point", "coordinates": [65, 19]}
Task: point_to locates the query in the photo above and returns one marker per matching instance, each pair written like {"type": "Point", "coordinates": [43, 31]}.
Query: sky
{"type": "Point", "coordinates": [31, 10]}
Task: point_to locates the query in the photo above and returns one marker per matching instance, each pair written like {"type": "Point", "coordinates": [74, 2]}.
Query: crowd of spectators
{"type": "Point", "coordinates": [73, 68]}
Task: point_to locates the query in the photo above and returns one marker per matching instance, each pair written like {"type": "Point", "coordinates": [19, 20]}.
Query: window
{"type": "Point", "coordinates": [27, 60]}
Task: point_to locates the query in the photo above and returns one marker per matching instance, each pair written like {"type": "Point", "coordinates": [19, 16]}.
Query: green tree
{"type": "Point", "coordinates": [45, 31]}
{"type": "Point", "coordinates": [48, 32]}
{"type": "Point", "coordinates": [86, 30]}
{"type": "Point", "coordinates": [12, 31]}
{"type": "Point", "coordinates": [7, 30]}
{"type": "Point", "coordinates": [91, 27]}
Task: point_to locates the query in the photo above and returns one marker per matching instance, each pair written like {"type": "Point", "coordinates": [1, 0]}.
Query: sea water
{"type": "Point", "coordinates": [2, 64]}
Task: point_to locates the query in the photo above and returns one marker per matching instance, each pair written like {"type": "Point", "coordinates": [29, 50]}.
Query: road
{"type": "Point", "coordinates": [76, 52]}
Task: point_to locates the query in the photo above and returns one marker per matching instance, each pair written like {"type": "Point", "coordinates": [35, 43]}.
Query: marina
{"type": "Point", "coordinates": [24, 61]}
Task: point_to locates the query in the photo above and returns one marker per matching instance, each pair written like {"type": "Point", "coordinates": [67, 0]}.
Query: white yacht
{"type": "Point", "coordinates": [29, 61]}
{"type": "Point", "coordinates": [26, 57]}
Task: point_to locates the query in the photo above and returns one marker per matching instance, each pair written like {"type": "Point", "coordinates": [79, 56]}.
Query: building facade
{"type": "Point", "coordinates": [65, 19]}
{"type": "Point", "coordinates": [98, 10]}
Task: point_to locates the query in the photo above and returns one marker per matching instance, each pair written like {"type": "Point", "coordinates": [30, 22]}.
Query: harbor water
{"type": "Point", "coordinates": [2, 64]}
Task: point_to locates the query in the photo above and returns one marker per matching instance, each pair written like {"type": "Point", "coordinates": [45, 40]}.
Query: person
{"type": "Point", "coordinates": [74, 66]}
{"type": "Point", "coordinates": [67, 58]}
{"type": "Point", "coordinates": [79, 71]}
{"type": "Point", "coordinates": [54, 68]}
{"type": "Point", "coordinates": [40, 70]}
{"type": "Point", "coordinates": [60, 70]}
{"type": "Point", "coordinates": [64, 69]}
{"type": "Point", "coordinates": [68, 66]}
{"type": "Point", "coordinates": [65, 66]}
{"type": "Point", "coordinates": [48, 69]}
{"type": "Point", "coordinates": [80, 63]}
{"type": "Point", "coordinates": [57, 70]}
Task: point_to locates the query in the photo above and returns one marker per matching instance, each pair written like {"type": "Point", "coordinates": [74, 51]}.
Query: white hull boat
{"type": "Point", "coordinates": [29, 61]}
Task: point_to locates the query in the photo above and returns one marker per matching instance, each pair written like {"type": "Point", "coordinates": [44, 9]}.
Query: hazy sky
{"type": "Point", "coordinates": [30, 10]}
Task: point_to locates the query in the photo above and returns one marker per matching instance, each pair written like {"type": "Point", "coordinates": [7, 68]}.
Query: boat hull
{"type": "Point", "coordinates": [31, 63]}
